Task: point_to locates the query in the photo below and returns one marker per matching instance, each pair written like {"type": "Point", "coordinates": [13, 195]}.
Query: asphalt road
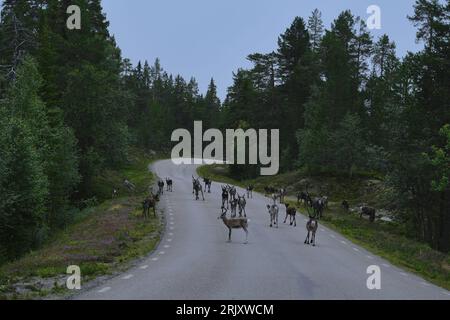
{"type": "Point", "coordinates": [195, 262]}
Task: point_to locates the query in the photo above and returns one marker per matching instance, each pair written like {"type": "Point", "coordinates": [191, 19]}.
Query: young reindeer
{"type": "Point", "coordinates": [241, 223]}
{"type": "Point", "coordinates": [273, 211]}
{"type": "Point", "coordinates": [242, 204]}
{"type": "Point", "coordinates": [291, 212]}
{"type": "Point", "coordinates": [225, 197]}
{"type": "Point", "coordinates": [311, 227]}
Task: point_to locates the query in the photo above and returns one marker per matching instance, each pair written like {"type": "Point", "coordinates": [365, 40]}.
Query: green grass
{"type": "Point", "coordinates": [102, 240]}
{"type": "Point", "coordinates": [386, 239]}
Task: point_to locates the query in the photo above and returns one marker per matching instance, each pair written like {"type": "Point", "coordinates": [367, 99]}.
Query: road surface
{"type": "Point", "coordinates": [195, 262]}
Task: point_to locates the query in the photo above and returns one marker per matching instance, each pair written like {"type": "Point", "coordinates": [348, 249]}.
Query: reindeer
{"type": "Point", "coordinates": [250, 191]}
{"type": "Point", "coordinates": [311, 227]}
{"type": "Point", "coordinates": [291, 212]}
{"type": "Point", "coordinates": [150, 202]}
{"type": "Point", "coordinates": [198, 189]}
{"type": "Point", "coordinates": [242, 204]}
{"type": "Point", "coordinates": [240, 223]}
{"type": "Point", "coordinates": [325, 201]}
{"type": "Point", "coordinates": [318, 205]}
{"type": "Point", "coordinates": [160, 187]}
{"type": "Point", "coordinates": [169, 184]}
{"type": "Point", "coordinates": [115, 193]}
{"type": "Point", "coordinates": [208, 184]}
{"type": "Point", "coordinates": [234, 205]}
{"type": "Point", "coordinates": [282, 194]}
{"type": "Point", "coordinates": [225, 197]}
{"type": "Point", "coordinates": [232, 192]}
{"type": "Point", "coordinates": [273, 212]}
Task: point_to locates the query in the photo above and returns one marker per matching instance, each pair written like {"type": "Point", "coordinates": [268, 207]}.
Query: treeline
{"type": "Point", "coordinates": [70, 108]}
{"type": "Point", "coordinates": [346, 104]}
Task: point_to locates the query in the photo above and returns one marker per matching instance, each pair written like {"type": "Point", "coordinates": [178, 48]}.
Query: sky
{"type": "Point", "coordinates": [212, 38]}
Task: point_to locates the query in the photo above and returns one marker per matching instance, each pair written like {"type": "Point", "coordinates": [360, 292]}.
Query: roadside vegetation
{"type": "Point", "coordinates": [103, 239]}
{"type": "Point", "coordinates": [388, 238]}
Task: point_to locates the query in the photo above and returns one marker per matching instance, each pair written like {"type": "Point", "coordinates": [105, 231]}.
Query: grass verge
{"type": "Point", "coordinates": [386, 239]}
{"type": "Point", "coordinates": [103, 240]}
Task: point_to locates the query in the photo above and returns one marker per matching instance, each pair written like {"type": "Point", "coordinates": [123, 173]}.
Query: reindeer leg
{"type": "Point", "coordinates": [229, 234]}
{"type": "Point", "coordinates": [246, 235]}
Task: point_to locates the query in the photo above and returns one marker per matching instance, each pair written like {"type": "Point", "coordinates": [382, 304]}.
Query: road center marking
{"type": "Point", "coordinates": [104, 290]}
{"type": "Point", "coordinates": [162, 253]}
{"type": "Point", "coordinates": [167, 246]}
{"type": "Point", "coordinates": [155, 259]}
{"type": "Point", "coordinates": [144, 267]}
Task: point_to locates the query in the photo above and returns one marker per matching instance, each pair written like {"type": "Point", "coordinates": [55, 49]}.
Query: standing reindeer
{"type": "Point", "coordinates": [311, 227]}
{"type": "Point", "coordinates": [282, 194]}
{"type": "Point", "coordinates": [234, 205]}
{"type": "Point", "coordinates": [160, 187]}
{"type": "Point", "coordinates": [273, 212]}
{"type": "Point", "coordinates": [232, 191]}
{"type": "Point", "coordinates": [291, 212]}
{"type": "Point", "coordinates": [250, 191]}
{"type": "Point", "coordinates": [242, 204]}
{"type": "Point", "coordinates": [169, 184]}
{"type": "Point", "coordinates": [240, 223]}
{"type": "Point", "coordinates": [197, 189]}
{"type": "Point", "coordinates": [208, 184]}
{"type": "Point", "coordinates": [149, 203]}
{"type": "Point", "coordinates": [225, 196]}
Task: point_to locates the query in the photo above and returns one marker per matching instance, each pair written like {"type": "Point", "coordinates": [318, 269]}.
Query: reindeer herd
{"type": "Point", "coordinates": [235, 204]}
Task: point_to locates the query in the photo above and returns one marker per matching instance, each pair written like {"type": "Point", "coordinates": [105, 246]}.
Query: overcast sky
{"type": "Point", "coordinates": [211, 38]}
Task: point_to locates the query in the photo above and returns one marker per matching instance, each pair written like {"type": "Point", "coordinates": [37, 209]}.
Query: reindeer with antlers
{"type": "Point", "coordinates": [239, 223]}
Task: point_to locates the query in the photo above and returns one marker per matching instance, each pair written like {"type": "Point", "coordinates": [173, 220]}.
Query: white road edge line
{"type": "Point", "coordinates": [128, 277]}
{"type": "Point", "coordinates": [104, 290]}
{"type": "Point", "coordinates": [144, 267]}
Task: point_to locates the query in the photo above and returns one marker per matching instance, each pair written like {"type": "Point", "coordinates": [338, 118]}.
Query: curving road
{"type": "Point", "coordinates": [194, 261]}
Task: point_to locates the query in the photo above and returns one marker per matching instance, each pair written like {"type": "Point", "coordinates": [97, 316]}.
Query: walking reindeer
{"type": "Point", "coordinates": [250, 191]}
{"type": "Point", "coordinates": [291, 212]}
{"type": "Point", "coordinates": [208, 184]}
{"type": "Point", "coordinates": [311, 227]}
{"type": "Point", "coordinates": [273, 212]}
{"type": "Point", "coordinates": [242, 204]}
{"type": "Point", "coordinates": [169, 184]}
{"type": "Point", "coordinates": [225, 197]}
{"type": "Point", "coordinates": [197, 189]}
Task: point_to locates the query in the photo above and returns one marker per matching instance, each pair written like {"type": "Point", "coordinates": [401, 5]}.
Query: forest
{"type": "Point", "coordinates": [72, 106]}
